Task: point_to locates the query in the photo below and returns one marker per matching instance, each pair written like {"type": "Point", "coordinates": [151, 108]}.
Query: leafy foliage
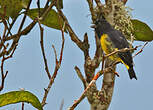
{"type": "Point", "coordinates": [20, 96]}
{"type": "Point", "coordinates": [52, 19]}
{"type": "Point", "coordinates": [142, 31]}
{"type": "Point", "coordinates": [12, 8]}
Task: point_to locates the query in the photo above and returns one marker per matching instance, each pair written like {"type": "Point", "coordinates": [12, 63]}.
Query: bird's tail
{"type": "Point", "coordinates": [132, 73]}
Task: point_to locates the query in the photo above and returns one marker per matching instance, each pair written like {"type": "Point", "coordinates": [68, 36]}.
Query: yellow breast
{"type": "Point", "coordinates": [104, 43]}
{"type": "Point", "coordinates": [107, 47]}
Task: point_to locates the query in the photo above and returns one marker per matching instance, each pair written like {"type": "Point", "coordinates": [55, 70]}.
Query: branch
{"type": "Point", "coordinates": [42, 49]}
{"type": "Point", "coordinates": [99, 4]}
{"type": "Point", "coordinates": [99, 100]}
{"type": "Point", "coordinates": [92, 83]}
{"type": "Point", "coordinates": [73, 36]}
{"type": "Point", "coordinates": [107, 86]}
{"type": "Point", "coordinates": [81, 76]}
{"type": "Point", "coordinates": [61, 106]}
{"type": "Point", "coordinates": [121, 50]}
{"type": "Point", "coordinates": [57, 66]}
{"type": "Point", "coordinates": [24, 17]}
{"type": "Point", "coordinates": [98, 53]}
{"type": "Point", "coordinates": [16, 39]}
{"type": "Point", "coordinates": [90, 3]}
{"type": "Point", "coordinates": [89, 65]}
{"type": "Point", "coordinates": [3, 76]}
{"type": "Point", "coordinates": [10, 26]}
{"type": "Point", "coordinates": [47, 9]}
{"type": "Point", "coordinates": [25, 31]}
{"type": "Point", "coordinates": [141, 49]}
{"type": "Point", "coordinates": [104, 96]}
{"type": "Point", "coordinates": [22, 106]}
{"type": "Point", "coordinates": [4, 32]}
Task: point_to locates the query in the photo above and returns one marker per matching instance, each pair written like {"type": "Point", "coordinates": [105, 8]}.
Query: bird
{"type": "Point", "coordinates": [111, 40]}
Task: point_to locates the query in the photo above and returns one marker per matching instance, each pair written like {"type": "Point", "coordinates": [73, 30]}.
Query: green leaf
{"type": "Point", "coordinates": [10, 8]}
{"type": "Point", "coordinates": [142, 32]}
{"type": "Point", "coordinates": [25, 3]}
{"type": "Point", "coordinates": [52, 19]}
{"type": "Point", "coordinates": [19, 96]}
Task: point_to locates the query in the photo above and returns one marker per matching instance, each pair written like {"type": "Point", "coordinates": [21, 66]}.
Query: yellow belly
{"type": "Point", "coordinates": [107, 47]}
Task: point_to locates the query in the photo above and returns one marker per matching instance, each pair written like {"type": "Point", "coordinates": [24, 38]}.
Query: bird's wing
{"type": "Point", "coordinates": [120, 42]}
{"type": "Point", "coordinates": [118, 39]}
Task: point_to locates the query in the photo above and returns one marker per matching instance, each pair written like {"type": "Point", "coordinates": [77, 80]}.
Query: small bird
{"type": "Point", "coordinates": [111, 40]}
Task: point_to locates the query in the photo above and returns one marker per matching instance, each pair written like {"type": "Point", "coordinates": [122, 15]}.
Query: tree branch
{"type": "Point", "coordinates": [42, 50]}
{"type": "Point", "coordinates": [57, 66]}
{"type": "Point", "coordinates": [87, 91]}
{"type": "Point", "coordinates": [73, 36]}
{"type": "Point", "coordinates": [99, 4]}
{"type": "Point", "coordinates": [141, 49]}
{"type": "Point", "coordinates": [3, 76]}
{"type": "Point", "coordinates": [81, 76]}
{"type": "Point", "coordinates": [25, 31]}
{"type": "Point", "coordinates": [61, 106]}
{"type": "Point", "coordinates": [91, 7]}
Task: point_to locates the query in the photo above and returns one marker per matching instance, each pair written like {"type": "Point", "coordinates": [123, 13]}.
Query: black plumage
{"type": "Point", "coordinates": [117, 40]}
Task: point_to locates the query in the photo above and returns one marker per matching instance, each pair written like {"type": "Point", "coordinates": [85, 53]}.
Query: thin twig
{"type": "Point", "coordinates": [45, 12]}
{"type": "Point", "coordinates": [63, 40]}
{"type": "Point", "coordinates": [90, 3]}
{"type": "Point", "coordinates": [2, 44]}
{"type": "Point", "coordinates": [62, 104]}
{"type": "Point", "coordinates": [73, 36]}
{"type": "Point", "coordinates": [55, 53]}
{"type": "Point", "coordinates": [22, 105]}
{"type": "Point", "coordinates": [57, 66]}
{"type": "Point", "coordinates": [46, 6]}
{"type": "Point", "coordinates": [24, 17]}
{"type": "Point", "coordinates": [42, 49]}
{"type": "Point", "coordinates": [141, 49]}
{"type": "Point", "coordinates": [81, 76]}
{"type": "Point", "coordinates": [4, 32]}
{"type": "Point", "coordinates": [5, 28]}
{"type": "Point", "coordinates": [15, 41]}
{"type": "Point", "coordinates": [121, 50]}
{"type": "Point", "coordinates": [2, 69]}
{"type": "Point", "coordinates": [4, 22]}
{"type": "Point", "coordinates": [10, 27]}
{"type": "Point", "coordinates": [25, 31]}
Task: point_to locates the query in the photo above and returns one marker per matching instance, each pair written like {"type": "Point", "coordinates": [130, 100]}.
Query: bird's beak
{"type": "Point", "coordinates": [93, 26]}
